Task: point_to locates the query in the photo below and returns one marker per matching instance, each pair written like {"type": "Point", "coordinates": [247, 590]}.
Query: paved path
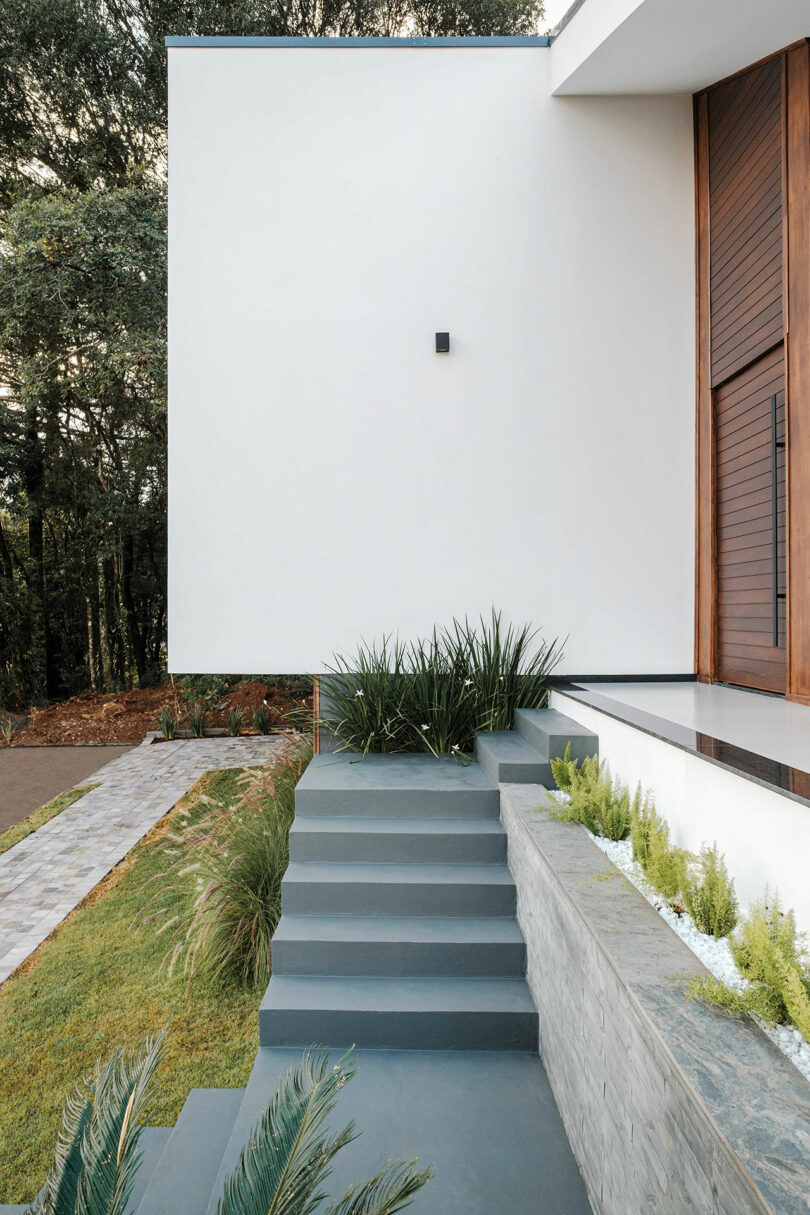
{"type": "Point", "coordinates": [44, 876]}
{"type": "Point", "coordinates": [31, 776]}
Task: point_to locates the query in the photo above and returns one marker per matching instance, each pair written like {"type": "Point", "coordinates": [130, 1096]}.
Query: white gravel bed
{"type": "Point", "coordinates": [715, 954]}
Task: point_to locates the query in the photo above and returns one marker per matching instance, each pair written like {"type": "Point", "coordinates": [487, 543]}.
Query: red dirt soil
{"type": "Point", "coordinates": [121, 717]}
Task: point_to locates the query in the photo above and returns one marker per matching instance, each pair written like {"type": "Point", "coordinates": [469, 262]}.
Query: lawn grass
{"type": "Point", "coordinates": [96, 984]}
{"type": "Point", "coordinates": [37, 817]}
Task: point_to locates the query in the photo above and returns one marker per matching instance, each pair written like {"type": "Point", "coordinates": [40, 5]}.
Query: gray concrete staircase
{"type": "Point", "coordinates": [398, 936]}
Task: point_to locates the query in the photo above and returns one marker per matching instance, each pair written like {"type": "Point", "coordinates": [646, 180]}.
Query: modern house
{"type": "Point", "coordinates": [522, 321]}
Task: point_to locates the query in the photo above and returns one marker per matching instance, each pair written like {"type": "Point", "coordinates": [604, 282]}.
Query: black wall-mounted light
{"type": "Point", "coordinates": [442, 343]}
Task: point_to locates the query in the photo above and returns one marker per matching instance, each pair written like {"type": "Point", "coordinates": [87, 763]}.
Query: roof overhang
{"type": "Point", "coordinates": [668, 46]}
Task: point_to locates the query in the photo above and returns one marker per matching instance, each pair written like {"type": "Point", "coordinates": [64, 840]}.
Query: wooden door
{"type": "Point", "coordinates": [745, 155]}
{"type": "Point", "coordinates": [750, 521]}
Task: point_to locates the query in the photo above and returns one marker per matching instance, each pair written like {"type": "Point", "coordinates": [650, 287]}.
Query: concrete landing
{"type": "Point", "coordinates": [486, 1121]}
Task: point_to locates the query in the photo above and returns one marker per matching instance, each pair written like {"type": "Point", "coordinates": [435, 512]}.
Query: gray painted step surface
{"type": "Point", "coordinates": [398, 945]}
{"type": "Point", "coordinates": [153, 1143]}
{"type": "Point", "coordinates": [549, 732]}
{"type": "Point", "coordinates": [386, 786]}
{"type": "Point", "coordinates": [487, 1122]}
{"type": "Point", "coordinates": [505, 756]}
{"type": "Point", "coordinates": [184, 1176]}
{"type": "Point", "coordinates": [400, 1013]}
{"type": "Point", "coordinates": [341, 888]}
{"type": "Point", "coordinates": [476, 840]}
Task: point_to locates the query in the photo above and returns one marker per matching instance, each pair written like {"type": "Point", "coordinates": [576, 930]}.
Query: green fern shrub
{"type": "Point", "coordinates": [771, 956]}
{"type": "Point", "coordinates": [709, 894]}
{"type": "Point", "coordinates": [663, 864]}
{"type": "Point", "coordinates": [595, 800]}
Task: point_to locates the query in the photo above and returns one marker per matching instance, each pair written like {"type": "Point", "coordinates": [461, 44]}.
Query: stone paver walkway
{"type": "Point", "coordinates": [44, 876]}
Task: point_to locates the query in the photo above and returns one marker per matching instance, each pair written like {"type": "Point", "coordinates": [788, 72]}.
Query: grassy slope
{"type": "Point", "coordinates": [95, 985]}
{"type": "Point", "coordinates": [36, 819]}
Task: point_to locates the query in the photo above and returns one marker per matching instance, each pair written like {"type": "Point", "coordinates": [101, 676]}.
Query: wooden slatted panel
{"type": "Point", "coordinates": [745, 217]}
{"type": "Point", "coordinates": [745, 525]}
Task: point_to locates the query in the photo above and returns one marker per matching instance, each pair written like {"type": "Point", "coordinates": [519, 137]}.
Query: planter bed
{"type": "Point", "coordinates": [670, 1105]}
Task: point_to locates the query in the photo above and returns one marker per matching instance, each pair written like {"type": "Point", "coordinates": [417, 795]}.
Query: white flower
{"type": "Point", "coordinates": [359, 692]}
{"type": "Point", "coordinates": [425, 726]}
{"type": "Point", "coordinates": [467, 683]}
{"type": "Point", "coordinates": [455, 747]}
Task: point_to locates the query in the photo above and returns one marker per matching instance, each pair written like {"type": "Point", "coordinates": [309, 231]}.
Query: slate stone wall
{"type": "Point", "coordinates": [670, 1106]}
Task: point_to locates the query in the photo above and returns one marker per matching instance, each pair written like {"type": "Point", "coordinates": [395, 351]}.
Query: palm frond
{"type": "Point", "coordinates": [287, 1157]}
{"type": "Point", "coordinates": [60, 1191]}
{"type": "Point", "coordinates": [97, 1154]}
{"type": "Point", "coordinates": [391, 1190]}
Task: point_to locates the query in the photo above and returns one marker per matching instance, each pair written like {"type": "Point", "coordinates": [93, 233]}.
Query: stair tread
{"type": "Point", "coordinates": [406, 872]}
{"type": "Point", "coordinates": [338, 928]}
{"type": "Point", "coordinates": [508, 745]}
{"type": "Point", "coordinates": [153, 1143]}
{"type": "Point", "coordinates": [387, 773]}
{"type": "Point", "coordinates": [398, 994]}
{"type": "Point", "coordinates": [398, 826]}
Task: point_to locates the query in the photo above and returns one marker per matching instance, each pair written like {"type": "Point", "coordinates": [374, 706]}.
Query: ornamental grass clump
{"type": "Point", "coordinates": [239, 857]}
{"type": "Point", "coordinates": [261, 720]}
{"type": "Point", "coordinates": [196, 718]}
{"type": "Point", "coordinates": [234, 721]}
{"type": "Point", "coordinates": [436, 693]}
{"type": "Point", "coordinates": [594, 799]}
{"type": "Point", "coordinates": [663, 864]}
{"type": "Point", "coordinates": [709, 895]}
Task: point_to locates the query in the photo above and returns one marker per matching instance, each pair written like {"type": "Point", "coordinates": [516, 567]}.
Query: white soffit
{"type": "Point", "coordinates": [668, 46]}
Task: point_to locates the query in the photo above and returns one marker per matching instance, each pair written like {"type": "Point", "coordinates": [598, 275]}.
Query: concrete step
{"type": "Point", "coordinates": [549, 732]}
{"type": "Point", "coordinates": [183, 1178]}
{"type": "Point", "coordinates": [487, 1121]}
{"type": "Point", "coordinates": [477, 840]}
{"type": "Point", "coordinates": [399, 1013]}
{"type": "Point", "coordinates": [154, 1140]}
{"type": "Point", "coordinates": [393, 786]}
{"type": "Point", "coordinates": [365, 889]}
{"type": "Point", "coordinates": [505, 756]}
{"type": "Point", "coordinates": [398, 946]}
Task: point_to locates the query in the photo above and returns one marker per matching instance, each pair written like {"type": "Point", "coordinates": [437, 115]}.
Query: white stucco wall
{"type": "Point", "coordinates": [330, 475]}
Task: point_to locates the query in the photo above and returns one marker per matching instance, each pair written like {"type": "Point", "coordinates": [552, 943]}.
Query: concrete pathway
{"type": "Point", "coordinates": [47, 874]}
{"type": "Point", "coordinates": [32, 776]}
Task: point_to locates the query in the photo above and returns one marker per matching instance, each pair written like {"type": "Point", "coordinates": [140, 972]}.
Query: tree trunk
{"type": "Point", "coordinates": [136, 639]}
{"type": "Point", "coordinates": [91, 644]}
{"type": "Point", "coordinates": [33, 478]}
{"type": "Point", "coordinates": [104, 631]}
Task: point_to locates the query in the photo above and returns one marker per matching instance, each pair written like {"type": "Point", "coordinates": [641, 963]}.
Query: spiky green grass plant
{"type": "Point", "coordinates": [436, 693]}
{"type": "Point", "coordinates": [287, 1160]}
{"type": "Point", "coordinates": [261, 720]}
{"type": "Point", "coordinates": [96, 1157]}
{"type": "Point", "coordinates": [197, 717]}
{"type": "Point", "coordinates": [167, 722]}
{"type": "Point", "coordinates": [709, 895]}
{"type": "Point", "coordinates": [234, 721]}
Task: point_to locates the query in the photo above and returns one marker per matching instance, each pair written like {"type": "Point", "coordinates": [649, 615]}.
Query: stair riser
{"type": "Point", "coordinates": [552, 742]}
{"type": "Point", "coordinates": [396, 803]}
{"type": "Point", "coordinates": [516, 773]}
{"type": "Point", "coordinates": [400, 959]}
{"type": "Point", "coordinates": [395, 848]}
{"type": "Point", "coordinates": [399, 1031]}
{"type": "Point", "coordinates": [397, 898]}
